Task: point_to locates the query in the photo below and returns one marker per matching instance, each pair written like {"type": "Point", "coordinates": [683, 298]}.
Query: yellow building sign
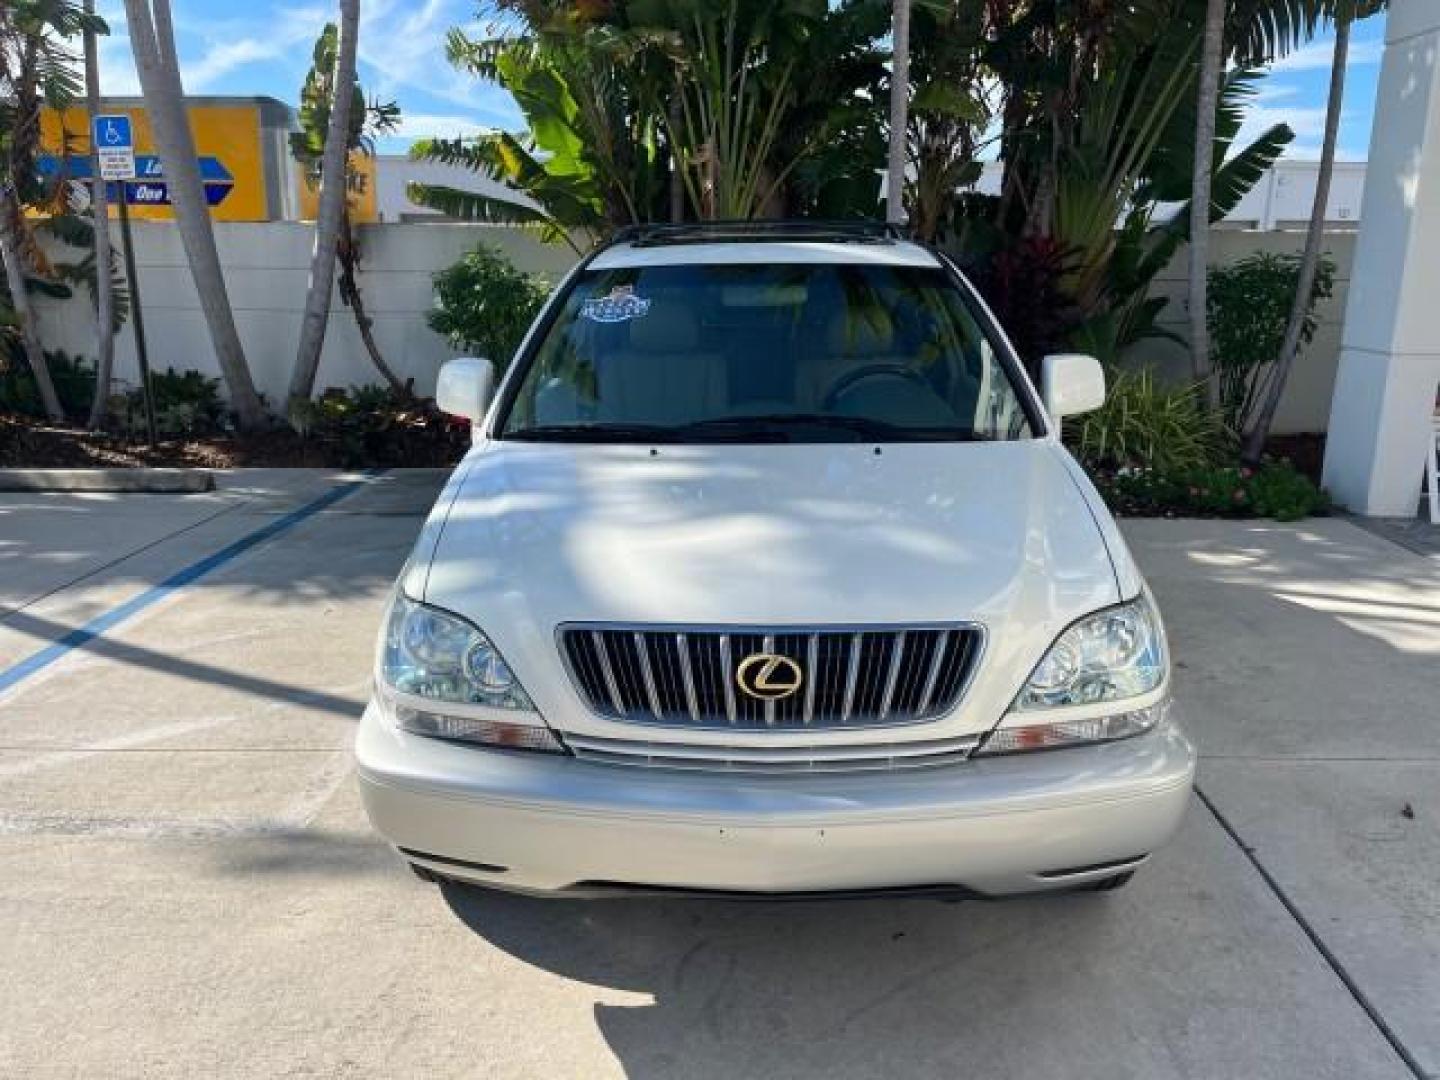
{"type": "Point", "coordinates": [360, 193]}
{"type": "Point", "coordinates": [229, 147]}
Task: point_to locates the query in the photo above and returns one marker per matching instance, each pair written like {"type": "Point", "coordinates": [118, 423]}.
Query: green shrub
{"type": "Point", "coordinates": [1274, 490]}
{"type": "Point", "coordinates": [484, 305]}
{"type": "Point", "coordinates": [371, 425]}
{"type": "Point", "coordinates": [1145, 424]}
{"type": "Point", "coordinates": [187, 404]}
{"type": "Point", "coordinates": [1247, 308]}
{"type": "Point", "coordinates": [74, 379]}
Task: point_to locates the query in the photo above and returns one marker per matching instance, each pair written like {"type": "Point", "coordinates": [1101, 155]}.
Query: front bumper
{"type": "Point", "coordinates": [551, 824]}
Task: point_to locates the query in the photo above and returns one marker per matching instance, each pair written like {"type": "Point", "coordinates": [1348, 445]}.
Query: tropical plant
{"type": "Point", "coordinates": [37, 69]}
{"type": "Point", "coordinates": [1096, 111]}
{"type": "Point", "coordinates": [1249, 306]}
{"type": "Point", "coordinates": [1343, 13]}
{"type": "Point", "coordinates": [152, 41]}
{"type": "Point", "coordinates": [1024, 284]}
{"type": "Point", "coordinates": [311, 147]}
{"type": "Point", "coordinates": [639, 110]}
{"type": "Point", "coordinates": [1248, 32]}
{"type": "Point", "coordinates": [484, 305]}
{"type": "Point", "coordinates": [592, 157]}
{"type": "Point", "coordinates": [950, 107]}
{"type": "Point", "coordinates": [336, 95]}
{"type": "Point", "coordinates": [185, 403]}
{"type": "Point", "coordinates": [1273, 490]}
{"type": "Point", "coordinates": [72, 378]}
{"type": "Point", "coordinates": [1147, 423]}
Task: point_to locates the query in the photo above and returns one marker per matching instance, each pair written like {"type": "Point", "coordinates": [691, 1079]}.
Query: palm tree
{"type": "Point", "coordinates": [36, 71]}
{"type": "Point", "coordinates": [16, 280]}
{"type": "Point", "coordinates": [152, 40]}
{"type": "Point", "coordinates": [329, 215]}
{"type": "Point", "coordinates": [104, 281]}
{"type": "Point", "coordinates": [899, 100]}
{"type": "Point", "coordinates": [1212, 58]}
{"type": "Point", "coordinates": [1343, 13]}
{"type": "Point", "coordinates": [308, 146]}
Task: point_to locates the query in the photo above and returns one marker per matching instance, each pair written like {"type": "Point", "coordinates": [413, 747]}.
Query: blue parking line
{"type": "Point", "coordinates": [79, 637]}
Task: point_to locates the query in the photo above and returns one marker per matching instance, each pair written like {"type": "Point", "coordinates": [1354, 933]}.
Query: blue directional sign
{"type": "Point", "coordinates": [145, 185]}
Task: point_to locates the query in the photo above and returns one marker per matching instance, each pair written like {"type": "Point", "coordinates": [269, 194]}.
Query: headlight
{"type": "Point", "coordinates": [442, 677]}
{"type": "Point", "coordinates": [1114, 655]}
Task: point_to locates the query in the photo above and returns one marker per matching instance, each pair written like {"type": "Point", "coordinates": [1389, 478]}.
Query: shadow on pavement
{"type": "Point", "coordinates": [768, 988]}
{"type": "Point", "coordinates": [255, 685]}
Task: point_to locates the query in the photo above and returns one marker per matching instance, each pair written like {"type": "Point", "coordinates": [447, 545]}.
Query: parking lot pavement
{"type": "Point", "coordinates": [188, 887]}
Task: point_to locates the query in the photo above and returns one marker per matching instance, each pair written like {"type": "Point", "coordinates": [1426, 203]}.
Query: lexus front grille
{"type": "Point", "coordinates": [779, 760]}
{"type": "Point", "coordinates": [781, 678]}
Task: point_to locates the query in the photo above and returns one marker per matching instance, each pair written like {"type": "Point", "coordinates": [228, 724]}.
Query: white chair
{"type": "Point", "coordinates": [1432, 472]}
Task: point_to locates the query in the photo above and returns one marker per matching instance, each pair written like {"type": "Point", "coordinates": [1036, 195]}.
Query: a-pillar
{"type": "Point", "coordinates": [1380, 416]}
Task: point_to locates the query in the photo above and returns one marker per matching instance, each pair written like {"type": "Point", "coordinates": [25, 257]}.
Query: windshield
{"type": "Point", "coordinates": [765, 353]}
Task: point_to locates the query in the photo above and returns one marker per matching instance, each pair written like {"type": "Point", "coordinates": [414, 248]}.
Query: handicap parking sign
{"type": "Point", "coordinates": [114, 142]}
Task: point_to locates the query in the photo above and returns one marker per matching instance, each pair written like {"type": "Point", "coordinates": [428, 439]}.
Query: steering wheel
{"type": "Point", "coordinates": [872, 371]}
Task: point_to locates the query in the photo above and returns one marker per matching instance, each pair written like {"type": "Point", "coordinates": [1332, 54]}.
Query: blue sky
{"type": "Point", "coordinates": [263, 47]}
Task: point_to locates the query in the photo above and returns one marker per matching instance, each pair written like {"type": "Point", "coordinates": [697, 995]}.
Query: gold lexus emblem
{"type": "Point", "coordinates": [769, 677]}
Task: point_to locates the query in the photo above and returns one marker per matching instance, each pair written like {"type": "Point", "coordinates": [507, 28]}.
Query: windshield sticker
{"type": "Point", "coordinates": [621, 305]}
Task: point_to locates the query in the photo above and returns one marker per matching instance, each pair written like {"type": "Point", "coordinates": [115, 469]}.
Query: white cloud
{"type": "Point", "coordinates": [221, 59]}
{"type": "Point", "coordinates": [437, 126]}
{"type": "Point", "coordinates": [1319, 55]}
{"type": "Point", "coordinates": [117, 67]}
{"type": "Point", "coordinates": [1308, 124]}
{"type": "Point", "coordinates": [403, 46]}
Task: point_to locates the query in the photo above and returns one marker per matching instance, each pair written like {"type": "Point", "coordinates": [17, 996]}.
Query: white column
{"type": "Point", "coordinates": [1390, 356]}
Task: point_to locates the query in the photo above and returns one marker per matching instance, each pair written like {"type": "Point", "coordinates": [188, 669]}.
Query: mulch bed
{"type": "Point", "coordinates": [28, 443]}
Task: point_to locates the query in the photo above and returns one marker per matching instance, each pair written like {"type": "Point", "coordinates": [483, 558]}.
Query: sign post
{"type": "Point", "coordinates": [114, 143]}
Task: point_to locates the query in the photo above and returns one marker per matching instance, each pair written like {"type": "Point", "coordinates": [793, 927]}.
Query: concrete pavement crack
{"type": "Point", "coordinates": [1341, 972]}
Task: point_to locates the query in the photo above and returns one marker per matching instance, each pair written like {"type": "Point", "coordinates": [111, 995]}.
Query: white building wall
{"type": "Point", "coordinates": [267, 268]}
{"type": "Point", "coordinates": [393, 173]}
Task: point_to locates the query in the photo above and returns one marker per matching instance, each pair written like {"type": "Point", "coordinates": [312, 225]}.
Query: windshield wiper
{"type": "Point", "coordinates": [866, 428]}
{"type": "Point", "coordinates": [598, 433]}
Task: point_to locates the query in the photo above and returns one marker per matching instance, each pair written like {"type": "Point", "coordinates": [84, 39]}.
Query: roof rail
{"type": "Point", "coordinates": [758, 231]}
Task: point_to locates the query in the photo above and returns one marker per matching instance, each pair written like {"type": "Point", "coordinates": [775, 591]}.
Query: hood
{"type": "Point", "coordinates": [997, 533]}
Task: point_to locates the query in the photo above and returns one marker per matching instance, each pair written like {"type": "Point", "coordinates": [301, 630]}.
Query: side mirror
{"type": "Point", "coordinates": [1071, 383]}
{"type": "Point", "coordinates": [465, 387]}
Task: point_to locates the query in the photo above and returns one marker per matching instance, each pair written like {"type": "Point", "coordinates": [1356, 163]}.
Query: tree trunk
{"type": "Point", "coordinates": [1212, 57]}
{"type": "Point", "coordinates": [1314, 238]}
{"type": "Point", "coordinates": [100, 217]}
{"type": "Point", "coordinates": [152, 41]}
{"type": "Point", "coordinates": [677, 182]}
{"type": "Point", "coordinates": [349, 285]}
{"type": "Point", "coordinates": [24, 313]}
{"type": "Point", "coordinates": [899, 113]}
{"type": "Point", "coordinates": [328, 214]}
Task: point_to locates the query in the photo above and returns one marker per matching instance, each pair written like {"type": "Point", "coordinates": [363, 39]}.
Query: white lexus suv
{"type": "Point", "coordinates": [768, 574]}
